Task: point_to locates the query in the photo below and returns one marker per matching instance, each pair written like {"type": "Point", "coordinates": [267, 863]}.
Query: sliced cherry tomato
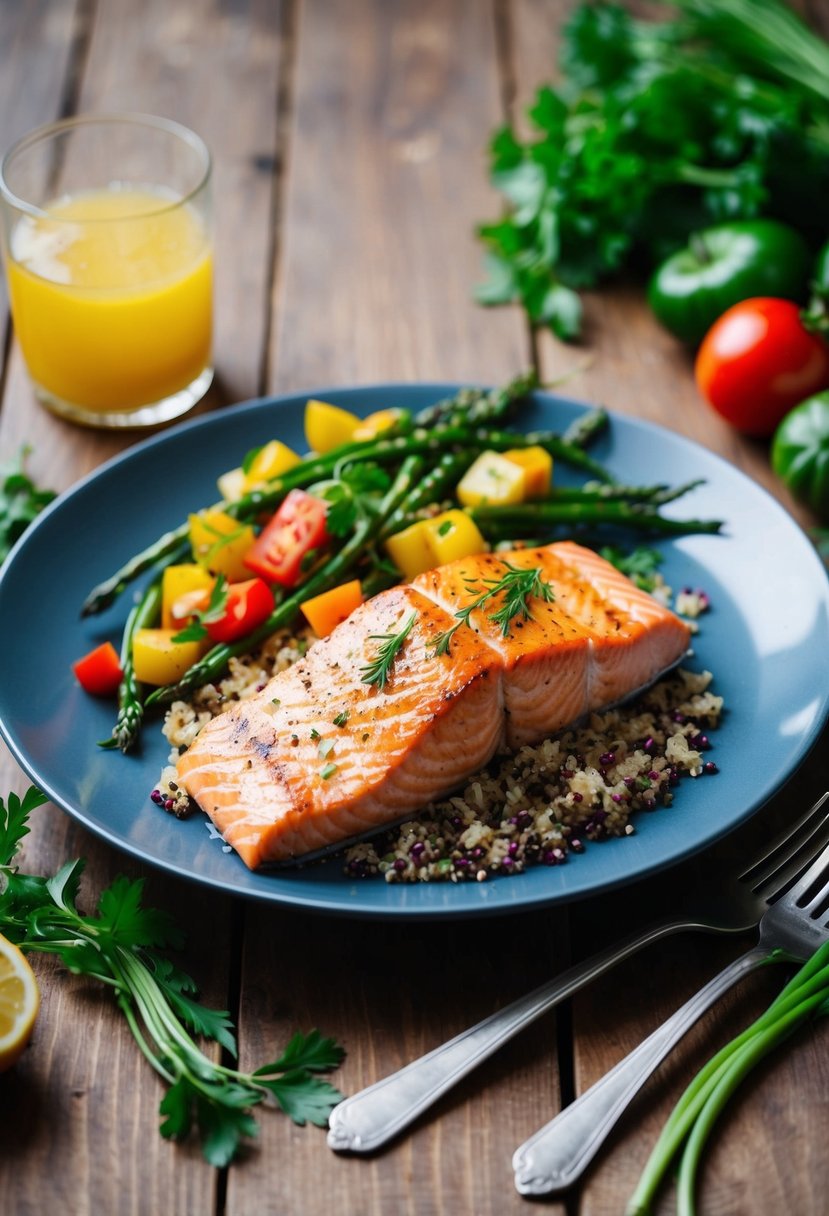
{"type": "Point", "coordinates": [99, 672]}
{"type": "Point", "coordinates": [248, 605]}
{"type": "Point", "coordinates": [297, 527]}
{"type": "Point", "coordinates": [758, 361]}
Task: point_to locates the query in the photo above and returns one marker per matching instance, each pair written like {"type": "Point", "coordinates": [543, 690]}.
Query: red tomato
{"type": "Point", "coordinates": [99, 672]}
{"type": "Point", "coordinates": [296, 528]}
{"type": "Point", "coordinates": [758, 361]}
{"type": "Point", "coordinates": [248, 605]}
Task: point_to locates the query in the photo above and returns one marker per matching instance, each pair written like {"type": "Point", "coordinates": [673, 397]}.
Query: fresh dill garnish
{"type": "Point", "coordinates": [517, 587]}
{"type": "Point", "coordinates": [341, 718]}
{"type": "Point", "coordinates": [123, 945]}
{"type": "Point", "coordinates": [378, 670]}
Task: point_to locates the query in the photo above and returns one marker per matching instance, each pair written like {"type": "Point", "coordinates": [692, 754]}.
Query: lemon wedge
{"type": "Point", "coordinates": [19, 1003]}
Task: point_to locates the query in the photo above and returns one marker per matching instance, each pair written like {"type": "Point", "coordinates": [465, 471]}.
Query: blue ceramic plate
{"type": "Point", "coordinates": [766, 640]}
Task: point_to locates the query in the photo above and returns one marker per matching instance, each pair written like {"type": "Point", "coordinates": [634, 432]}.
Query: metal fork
{"type": "Point", "coordinates": [796, 923]}
{"type": "Point", "coordinates": [732, 901]}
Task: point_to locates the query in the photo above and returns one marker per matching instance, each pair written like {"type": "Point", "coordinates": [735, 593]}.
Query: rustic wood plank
{"type": "Point", "coordinates": [771, 1151]}
{"type": "Point", "coordinates": [167, 59]}
{"type": "Point", "coordinates": [637, 369]}
{"type": "Point", "coordinates": [386, 183]}
{"type": "Point", "coordinates": [35, 72]}
{"type": "Point", "coordinates": [86, 1136]}
{"type": "Point", "coordinates": [378, 265]}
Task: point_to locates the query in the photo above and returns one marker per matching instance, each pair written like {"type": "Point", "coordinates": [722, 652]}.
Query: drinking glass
{"type": "Point", "coordinates": [107, 238]}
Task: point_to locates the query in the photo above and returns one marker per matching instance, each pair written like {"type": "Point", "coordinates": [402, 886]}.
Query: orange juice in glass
{"type": "Point", "coordinates": [107, 242]}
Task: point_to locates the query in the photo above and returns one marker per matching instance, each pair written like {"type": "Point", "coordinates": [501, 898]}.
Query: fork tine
{"type": "Point", "coordinates": [819, 869]}
{"type": "Point", "coordinates": [784, 856]}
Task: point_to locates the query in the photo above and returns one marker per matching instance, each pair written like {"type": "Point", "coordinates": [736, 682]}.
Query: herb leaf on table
{"type": "Point", "coordinates": [119, 945]}
{"type": "Point", "coordinates": [658, 128]}
{"type": "Point", "coordinates": [20, 502]}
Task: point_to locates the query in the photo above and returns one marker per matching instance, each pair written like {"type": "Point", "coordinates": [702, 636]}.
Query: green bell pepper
{"type": "Point", "coordinates": [800, 453]}
{"type": "Point", "coordinates": [722, 266]}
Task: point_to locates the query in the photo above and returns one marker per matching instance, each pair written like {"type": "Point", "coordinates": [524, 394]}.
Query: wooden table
{"type": "Point", "coordinates": [350, 170]}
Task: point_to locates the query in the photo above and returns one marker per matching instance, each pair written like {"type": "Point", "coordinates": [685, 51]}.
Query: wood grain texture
{"type": "Point", "coordinates": [35, 73]}
{"type": "Point", "coordinates": [393, 107]}
{"type": "Point", "coordinates": [350, 171]}
{"type": "Point", "coordinates": [390, 992]}
{"type": "Point", "coordinates": [636, 369]}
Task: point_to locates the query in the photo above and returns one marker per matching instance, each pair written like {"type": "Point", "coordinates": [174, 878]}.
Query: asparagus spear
{"type": "Point", "coordinates": [475, 405]}
{"type": "Point", "coordinates": [127, 726]}
{"type": "Point", "coordinates": [331, 572]}
{"type": "Point", "coordinates": [524, 518]}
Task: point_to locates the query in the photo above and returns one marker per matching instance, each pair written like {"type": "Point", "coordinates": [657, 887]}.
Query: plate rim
{"type": "Point", "coordinates": [338, 904]}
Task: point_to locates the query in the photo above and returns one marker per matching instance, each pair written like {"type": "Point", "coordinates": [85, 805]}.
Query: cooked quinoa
{"type": "Point", "coordinates": [533, 807]}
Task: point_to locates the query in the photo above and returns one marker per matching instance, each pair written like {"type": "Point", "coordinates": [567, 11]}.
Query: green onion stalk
{"type": "Point", "coordinates": [693, 1119]}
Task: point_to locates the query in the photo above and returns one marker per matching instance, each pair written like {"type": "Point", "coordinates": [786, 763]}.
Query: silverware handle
{"type": "Point", "coordinates": [557, 1155]}
{"type": "Point", "coordinates": [375, 1115]}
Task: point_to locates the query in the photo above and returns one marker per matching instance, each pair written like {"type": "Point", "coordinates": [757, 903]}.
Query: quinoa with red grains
{"type": "Point", "coordinates": [544, 802]}
{"type": "Point", "coordinates": [534, 807]}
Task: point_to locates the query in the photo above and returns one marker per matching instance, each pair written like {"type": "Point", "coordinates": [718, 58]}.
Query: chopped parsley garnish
{"type": "Point", "coordinates": [517, 586]}
{"type": "Point", "coordinates": [379, 669]}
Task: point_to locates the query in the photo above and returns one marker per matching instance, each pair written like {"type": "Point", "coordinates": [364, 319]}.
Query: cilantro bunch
{"type": "Point", "coordinates": [658, 128]}
{"type": "Point", "coordinates": [121, 945]}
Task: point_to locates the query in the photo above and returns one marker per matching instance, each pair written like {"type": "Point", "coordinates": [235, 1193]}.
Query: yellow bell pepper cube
{"type": "Point", "coordinates": [326, 611]}
{"type": "Point", "coordinates": [452, 535]}
{"type": "Point", "coordinates": [375, 424]}
{"type": "Point", "coordinates": [410, 550]}
{"type": "Point", "coordinates": [491, 479]}
{"type": "Point", "coordinates": [232, 484]}
{"type": "Point", "coordinates": [219, 543]}
{"type": "Point", "coordinates": [178, 583]}
{"type": "Point", "coordinates": [537, 464]}
{"type": "Point", "coordinates": [157, 659]}
{"type": "Point", "coordinates": [272, 460]}
{"type": "Point", "coordinates": [327, 426]}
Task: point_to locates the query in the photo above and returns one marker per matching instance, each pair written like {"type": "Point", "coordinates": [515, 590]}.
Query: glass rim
{"type": "Point", "coordinates": [39, 134]}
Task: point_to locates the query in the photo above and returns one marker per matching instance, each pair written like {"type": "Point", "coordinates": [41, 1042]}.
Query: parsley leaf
{"type": "Point", "coordinates": [305, 1098]}
{"type": "Point", "coordinates": [118, 945]}
{"type": "Point", "coordinates": [14, 821]}
{"type": "Point", "coordinates": [20, 502]}
{"type": "Point", "coordinates": [640, 565]}
{"type": "Point", "coordinates": [658, 128]}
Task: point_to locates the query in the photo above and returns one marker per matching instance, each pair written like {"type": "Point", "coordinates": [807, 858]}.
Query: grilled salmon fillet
{"type": "Point", "coordinates": [320, 755]}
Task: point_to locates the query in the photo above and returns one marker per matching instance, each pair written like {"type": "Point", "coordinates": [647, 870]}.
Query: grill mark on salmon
{"type": "Point", "coordinates": [262, 770]}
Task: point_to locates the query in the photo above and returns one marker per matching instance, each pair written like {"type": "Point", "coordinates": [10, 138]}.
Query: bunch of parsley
{"type": "Point", "coordinates": [658, 128]}
{"type": "Point", "coordinates": [120, 946]}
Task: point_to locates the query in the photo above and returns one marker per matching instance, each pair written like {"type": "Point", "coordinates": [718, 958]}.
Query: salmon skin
{"type": "Point", "coordinates": [320, 756]}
